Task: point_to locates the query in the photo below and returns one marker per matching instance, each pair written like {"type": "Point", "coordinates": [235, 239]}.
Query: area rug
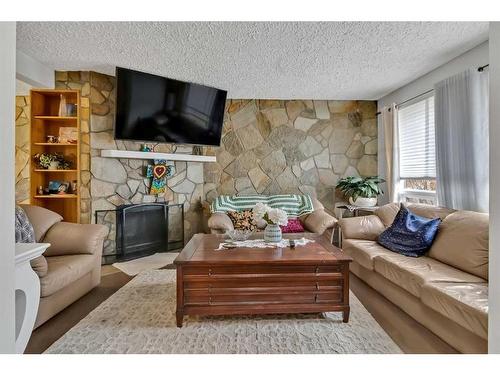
{"type": "Point", "coordinates": [140, 318]}
{"type": "Point", "coordinates": [152, 262]}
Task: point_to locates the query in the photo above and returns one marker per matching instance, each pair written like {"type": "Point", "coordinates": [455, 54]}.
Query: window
{"type": "Point", "coordinates": [417, 154]}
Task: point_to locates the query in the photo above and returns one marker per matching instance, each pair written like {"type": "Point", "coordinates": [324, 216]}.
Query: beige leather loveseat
{"type": "Point", "coordinates": [71, 266]}
{"type": "Point", "coordinates": [446, 290]}
{"type": "Point", "coordinates": [319, 221]}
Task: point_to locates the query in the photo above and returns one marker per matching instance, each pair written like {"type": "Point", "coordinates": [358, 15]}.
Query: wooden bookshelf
{"type": "Point", "coordinates": [45, 121]}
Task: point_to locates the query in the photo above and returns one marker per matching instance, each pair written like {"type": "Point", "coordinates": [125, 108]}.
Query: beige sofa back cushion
{"type": "Point", "coordinates": [388, 212]}
{"type": "Point", "coordinates": [462, 242]}
{"type": "Point", "coordinates": [41, 219]}
{"type": "Point", "coordinates": [428, 211]}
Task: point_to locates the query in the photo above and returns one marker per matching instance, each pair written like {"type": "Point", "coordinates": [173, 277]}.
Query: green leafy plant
{"type": "Point", "coordinates": [44, 160]}
{"type": "Point", "coordinates": [355, 187]}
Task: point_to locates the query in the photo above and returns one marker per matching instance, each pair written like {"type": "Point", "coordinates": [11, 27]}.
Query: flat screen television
{"type": "Point", "coordinates": [152, 108]}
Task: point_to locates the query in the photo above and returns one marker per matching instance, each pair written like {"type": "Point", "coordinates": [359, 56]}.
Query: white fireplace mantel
{"type": "Point", "coordinates": [124, 154]}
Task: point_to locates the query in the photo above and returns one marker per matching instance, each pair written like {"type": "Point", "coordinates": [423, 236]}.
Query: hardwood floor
{"type": "Point", "coordinates": [408, 334]}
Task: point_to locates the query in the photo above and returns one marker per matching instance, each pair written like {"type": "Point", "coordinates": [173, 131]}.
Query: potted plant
{"type": "Point", "coordinates": [274, 217]}
{"type": "Point", "coordinates": [361, 191]}
{"type": "Point", "coordinates": [52, 161]}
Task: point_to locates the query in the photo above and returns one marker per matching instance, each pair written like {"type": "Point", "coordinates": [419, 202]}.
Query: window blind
{"type": "Point", "coordinates": [417, 154]}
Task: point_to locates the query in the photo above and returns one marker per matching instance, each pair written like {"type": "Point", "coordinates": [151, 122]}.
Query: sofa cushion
{"type": "Point", "coordinates": [41, 219]}
{"type": "Point", "coordinates": [464, 303]}
{"type": "Point", "coordinates": [462, 242]}
{"type": "Point", "coordinates": [388, 212]}
{"type": "Point", "coordinates": [362, 227]}
{"type": "Point", "coordinates": [412, 273]}
{"type": "Point", "coordinates": [23, 227]}
{"type": "Point", "coordinates": [429, 211]}
{"type": "Point", "coordinates": [72, 238]}
{"type": "Point", "coordinates": [409, 234]}
{"type": "Point", "coordinates": [294, 226]}
{"type": "Point", "coordinates": [63, 270]}
{"type": "Point", "coordinates": [363, 251]}
{"type": "Point", "coordinates": [39, 265]}
{"type": "Point", "coordinates": [242, 220]}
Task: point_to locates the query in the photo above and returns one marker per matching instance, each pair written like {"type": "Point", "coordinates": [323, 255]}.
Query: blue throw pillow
{"type": "Point", "coordinates": [409, 234]}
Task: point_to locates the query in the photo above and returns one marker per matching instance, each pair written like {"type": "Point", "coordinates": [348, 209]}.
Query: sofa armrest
{"type": "Point", "coordinates": [318, 221]}
{"type": "Point", "coordinates": [361, 227]}
{"type": "Point", "coordinates": [219, 223]}
{"type": "Point", "coordinates": [70, 238]}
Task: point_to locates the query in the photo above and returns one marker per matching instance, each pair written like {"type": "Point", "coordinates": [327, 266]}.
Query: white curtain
{"type": "Point", "coordinates": [461, 120]}
{"type": "Point", "coordinates": [389, 121]}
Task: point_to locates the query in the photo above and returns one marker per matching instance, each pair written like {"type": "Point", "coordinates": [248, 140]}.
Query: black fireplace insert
{"type": "Point", "coordinates": [138, 230]}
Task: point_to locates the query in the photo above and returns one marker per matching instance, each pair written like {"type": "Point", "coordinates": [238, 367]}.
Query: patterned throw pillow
{"type": "Point", "coordinates": [242, 220]}
{"type": "Point", "coordinates": [409, 234]}
{"type": "Point", "coordinates": [24, 229]}
{"type": "Point", "coordinates": [293, 226]}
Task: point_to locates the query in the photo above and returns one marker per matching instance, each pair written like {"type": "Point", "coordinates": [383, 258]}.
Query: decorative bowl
{"type": "Point", "coordinates": [240, 235]}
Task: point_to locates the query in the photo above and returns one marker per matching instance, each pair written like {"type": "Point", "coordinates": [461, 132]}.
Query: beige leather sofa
{"type": "Point", "coordinates": [446, 290]}
{"type": "Point", "coordinates": [318, 221]}
{"type": "Point", "coordinates": [71, 266]}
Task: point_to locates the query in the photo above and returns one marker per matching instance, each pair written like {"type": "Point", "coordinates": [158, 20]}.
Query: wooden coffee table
{"type": "Point", "coordinates": [308, 279]}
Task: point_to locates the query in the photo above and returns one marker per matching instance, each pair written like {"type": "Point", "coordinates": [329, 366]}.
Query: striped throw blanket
{"type": "Point", "coordinates": [294, 205]}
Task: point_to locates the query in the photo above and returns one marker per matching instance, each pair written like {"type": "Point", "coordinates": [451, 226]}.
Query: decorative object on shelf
{"type": "Point", "coordinates": [68, 135]}
{"type": "Point", "coordinates": [71, 109]}
{"type": "Point", "coordinates": [62, 106]}
{"type": "Point", "coordinates": [197, 150]}
{"type": "Point", "coordinates": [73, 186]}
{"type": "Point", "coordinates": [274, 217]}
{"type": "Point", "coordinates": [52, 139]}
{"type": "Point", "coordinates": [146, 148]}
{"type": "Point", "coordinates": [39, 190]}
{"type": "Point", "coordinates": [52, 161]}
{"type": "Point", "coordinates": [58, 187]}
{"type": "Point", "coordinates": [361, 191]}
{"type": "Point", "coordinates": [159, 172]}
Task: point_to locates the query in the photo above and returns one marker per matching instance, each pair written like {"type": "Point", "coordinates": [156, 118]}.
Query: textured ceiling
{"type": "Point", "coordinates": [285, 60]}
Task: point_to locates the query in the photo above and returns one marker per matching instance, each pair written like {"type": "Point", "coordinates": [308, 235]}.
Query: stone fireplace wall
{"type": "Point", "coordinates": [268, 146]}
{"type": "Point", "coordinates": [22, 149]}
{"type": "Point", "coordinates": [292, 146]}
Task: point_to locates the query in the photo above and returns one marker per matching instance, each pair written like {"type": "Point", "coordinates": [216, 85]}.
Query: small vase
{"type": "Point", "coordinates": [53, 165]}
{"type": "Point", "coordinates": [272, 233]}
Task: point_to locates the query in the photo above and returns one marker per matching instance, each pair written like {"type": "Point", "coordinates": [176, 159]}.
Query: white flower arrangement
{"type": "Point", "coordinates": [270, 215]}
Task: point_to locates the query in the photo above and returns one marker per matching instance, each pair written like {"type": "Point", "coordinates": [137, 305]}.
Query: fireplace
{"type": "Point", "coordinates": [141, 229]}
{"type": "Point", "coordinates": [138, 230]}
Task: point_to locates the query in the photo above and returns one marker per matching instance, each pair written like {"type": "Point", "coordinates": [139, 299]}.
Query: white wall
{"type": "Point", "coordinates": [33, 72]}
{"type": "Point", "coordinates": [7, 105]}
{"type": "Point", "coordinates": [475, 57]}
{"type": "Point", "coordinates": [494, 271]}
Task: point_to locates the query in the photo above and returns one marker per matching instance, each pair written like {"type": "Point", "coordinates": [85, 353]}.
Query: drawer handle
{"type": "Point", "coordinates": [317, 286]}
{"type": "Point", "coordinates": [317, 269]}
{"type": "Point", "coordinates": [209, 272]}
{"type": "Point", "coordinates": [316, 298]}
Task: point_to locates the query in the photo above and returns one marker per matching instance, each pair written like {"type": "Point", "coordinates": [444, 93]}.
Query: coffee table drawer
{"type": "Point", "coordinates": [278, 284]}
{"type": "Point", "coordinates": [249, 298]}
{"type": "Point", "coordinates": [216, 271]}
